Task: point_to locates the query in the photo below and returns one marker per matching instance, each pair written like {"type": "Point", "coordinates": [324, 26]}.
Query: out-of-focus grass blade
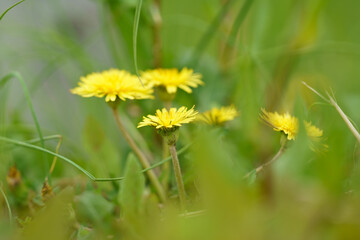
{"type": "Point", "coordinates": [238, 21]}
{"type": "Point", "coordinates": [210, 32]}
{"type": "Point", "coordinates": [135, 33]}
{"type": "Point", "coordinates": [89, 175]}
{"type": "Point", "coordinates": [35, 140]}
{"type": "Point", "coordinates": [31, 146]}
{"type": "Point", "coordinates": [2, 15]}
{"type": "Point", "coordinates": [7, 202]}
{"type": "Point", "coordinates": [18, 76]}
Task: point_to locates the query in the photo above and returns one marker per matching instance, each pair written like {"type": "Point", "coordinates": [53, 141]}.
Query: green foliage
{"type": "Point", "coordinates": [92, 208]}
{"type": "Point", "coordinates": [131, 193]}
{"type": "Point", "coordinates": [251, 53]}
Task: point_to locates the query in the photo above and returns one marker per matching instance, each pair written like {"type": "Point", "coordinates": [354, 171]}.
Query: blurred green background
{"type": "Point", "coordinates": [252, 53]}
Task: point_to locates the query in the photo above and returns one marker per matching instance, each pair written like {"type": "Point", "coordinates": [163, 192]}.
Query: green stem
{"type": "Point", "coordinates": [276, 157]}
{"type": "Point", "coordinates": [141, 156]}
{"type": "Point", "coordinates": [2, 15]}
{"type": "Point", "coordinates": [135, 34]}
{"type": "Point", "coordinates": [7, 203]}
{"type": "Point", "coordinates": [166, 169]}
{"type": "Point", "coordinates": [178, 176]}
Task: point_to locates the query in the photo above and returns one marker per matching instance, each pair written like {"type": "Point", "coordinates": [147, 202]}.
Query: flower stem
{"type": "Point", "coordinates": [166, 169]}
{"type": "Point", "coordinates": [179, 180]}
{"type": "Point", "coordinates": [276, 157]}
{"type": "Point", "coordinates": [141, 156]}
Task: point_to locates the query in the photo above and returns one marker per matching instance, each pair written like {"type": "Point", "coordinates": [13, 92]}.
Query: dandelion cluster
{"type": "Point", "coordinates": [289, 125]}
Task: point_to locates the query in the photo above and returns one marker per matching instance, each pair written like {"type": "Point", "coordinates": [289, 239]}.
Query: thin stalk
{"type": "Point", "coordinates": [166, 169]}
{"type": "Point", "coordinates": [276, 157]}
{"type": "Point", "coordinates": [55, 157]}
{"type": "Point", "coordinates": [178, 176]}
{"type": "Point", "coordinates": [332, 102]}
{"type": "Point", "coordinates": [345, 118]}
{"type": "Point", "coordinates": [3, 14]}
{"type": "Point", "coordinates": [193, 214]}
{"type": "Point", "coordinates": [141, 156]}
{"type": "Point", "coordinates": [30, 105]}
{"type": "Point", "coordinates": [166, 166]}
{"type": "Point", "coordinates": [7, 203]}
{"type": "Point", "coordinates": [135, 35]}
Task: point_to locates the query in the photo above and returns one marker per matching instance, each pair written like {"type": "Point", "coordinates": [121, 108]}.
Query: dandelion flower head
{"type": "Point", "coordinates": [172, 79]}
{"type": "Point", "coordinates": [218, 116]}
{"type": "Point", "coordinates": [282, 123]}
{"type": "Point", "coordinates": [112, 84]}
{"type": "Point", "coordinates": [169, 120]}
{"type": "Point", "coordinates": [312, 131]}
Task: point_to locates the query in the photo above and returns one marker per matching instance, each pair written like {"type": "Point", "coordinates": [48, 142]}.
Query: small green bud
{"type": "Point", "coordinates": [171, 135]}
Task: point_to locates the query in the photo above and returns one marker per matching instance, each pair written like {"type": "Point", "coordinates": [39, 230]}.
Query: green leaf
{"type": "Point", "coordinates": [94, 207]}
{"type": "Point", "coordinates": [132, 188]}
{"type": "Point", "coordinates": [103, 154]}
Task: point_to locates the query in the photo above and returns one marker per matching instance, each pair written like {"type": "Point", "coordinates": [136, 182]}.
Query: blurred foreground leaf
{"type": "Point", "coordinates": [132, 188]}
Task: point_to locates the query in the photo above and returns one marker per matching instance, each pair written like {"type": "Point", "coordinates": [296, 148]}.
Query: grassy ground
{"type": "Point", "coordinates": [252, 53]}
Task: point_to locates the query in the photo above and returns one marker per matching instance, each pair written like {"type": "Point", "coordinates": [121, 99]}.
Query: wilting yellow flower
{"type": "Point", "coordinates": [172, 79]}
{"type": "Point", "coordinates": [13, 177]}
{"type": "Point", "coordinates": [218, 116]}
{"type": "Point", "coordinates": [169, 120]}
{"type": "Point", "coordinates": [46, 191]}
{"type": "Point", "coordinates": [289, 125]}
{"type": "Point", "coordinates": [112, 84]}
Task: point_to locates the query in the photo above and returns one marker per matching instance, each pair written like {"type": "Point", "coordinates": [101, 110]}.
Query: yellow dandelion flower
{"type": "Point", "coordinates": [312, 131]}
{"type": "Point", "coordinates": [112, 84]}
{"type": "Point", "coordinates": [169, 120]}
{"type": "Point", "coordinates": [218, 116]}
{"type": "Point", "coordinates": [172, 79]}
{"type": "Point", "coordinates": [282, 123]}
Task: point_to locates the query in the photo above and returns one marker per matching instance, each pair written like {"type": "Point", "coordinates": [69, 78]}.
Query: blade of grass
{"type": "Point", "coordinates": [135, 33]}
{"type": "Point", "coordinates": [7, 10]}
{"type": "Point", "coordinates": [18, 76]}
{"type": "Point", "coordinates": [210, 32]}
{"type": "Point", "coordinates": [35, 140]}
{"type": "Point", "coordinates": [88, 174]}
{"type": "Point", "coordinates": [7, 202]}
{"type": "Point", "coordinates": [244, 10]}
